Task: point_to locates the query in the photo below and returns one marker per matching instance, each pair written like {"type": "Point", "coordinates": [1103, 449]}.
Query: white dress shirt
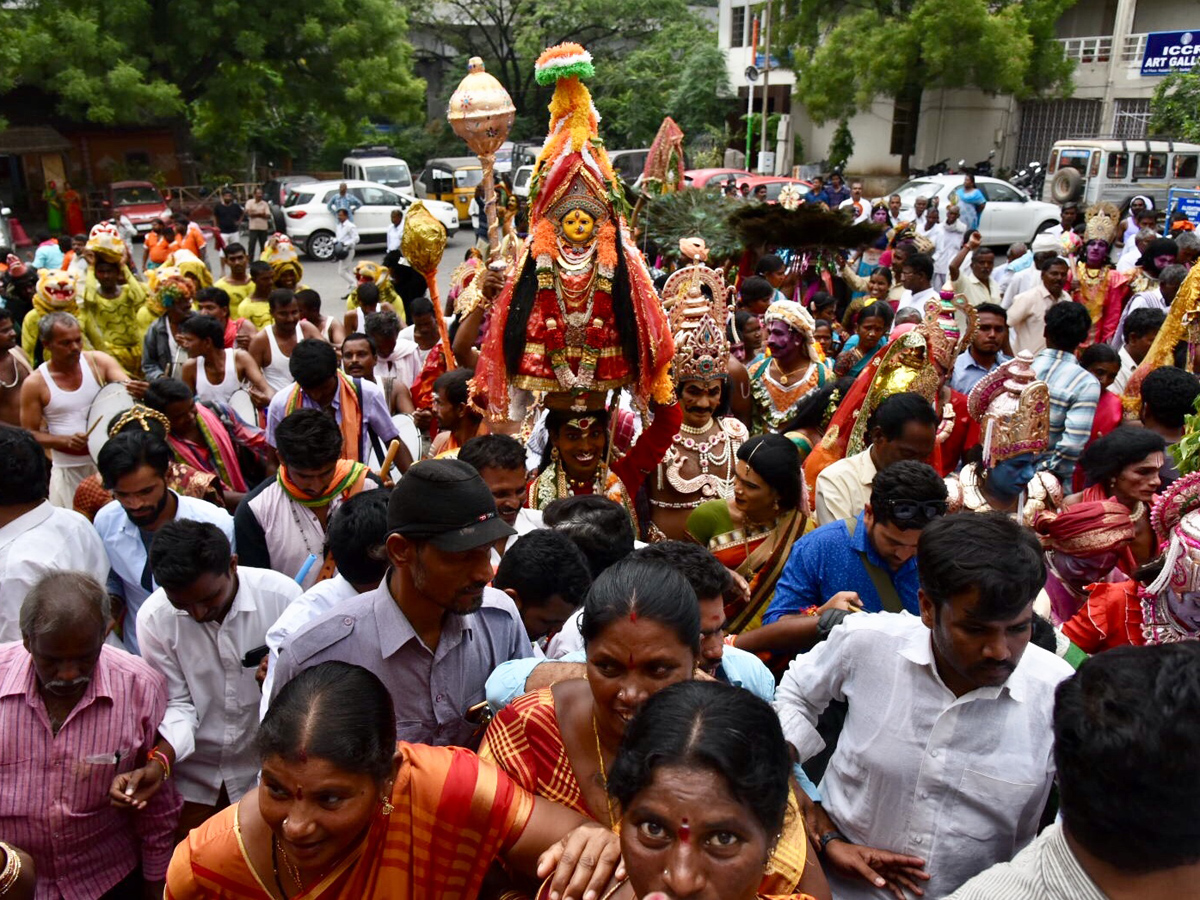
{"type": "Point", "coordinates": [1128, 367]}
{"type": "Point", "coordinates": [129, 561]}
{"type": "Point", "coordinates": [45, 539]}
{"type": "Point", "coordinates": [917, 301]}
{"type": "Point", "coordinates": [958, 781]}
{"type": "Point", "coordinates": [212, 706]}
{"type": "Point", "coordinates": [346, 233]}
{"type": "Point", "coordinates": [527, 520]}
{"type": "Point", "coordinates": [394, 233]}
{"type": "Point", "coordinates": [313, 603]}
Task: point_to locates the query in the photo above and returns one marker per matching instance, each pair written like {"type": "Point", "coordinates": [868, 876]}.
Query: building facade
{"type": "Point", "coordinates": [1107, 39]}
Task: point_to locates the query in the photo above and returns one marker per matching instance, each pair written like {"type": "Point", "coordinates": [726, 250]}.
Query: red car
{"type": "Point", "coordinates": [774, 185]}
{"type": "Point", "coordinates": [701, 177]}
{"type": "Point", "coordinates": [141, 201]}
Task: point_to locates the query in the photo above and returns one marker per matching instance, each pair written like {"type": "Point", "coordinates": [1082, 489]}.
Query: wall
{"type": "Point", "coordinates": [1166, 16]}
{"type": "Point", "coordinates": [101, 156]}
{"type": "Point", "coordinates": [1087, 19]}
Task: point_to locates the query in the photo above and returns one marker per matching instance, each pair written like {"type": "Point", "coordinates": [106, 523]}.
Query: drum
{"type": "Point", "coordinates": [110, 402]}
{"type": "Point", "coordinates": [241, 404]}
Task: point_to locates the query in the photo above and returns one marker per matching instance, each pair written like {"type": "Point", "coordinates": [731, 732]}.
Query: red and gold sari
{"type": "Point", "coordinates": [524, 740]}
{"type": "Point", "coordinates": [453, 816]}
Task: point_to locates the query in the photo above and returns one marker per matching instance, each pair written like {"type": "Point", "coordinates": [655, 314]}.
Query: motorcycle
{"type": "Point", "coordinates": [937, 168]}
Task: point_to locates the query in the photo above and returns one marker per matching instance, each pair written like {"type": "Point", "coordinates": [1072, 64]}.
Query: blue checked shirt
{"type": "Point", "coordinates": [1074, 393]}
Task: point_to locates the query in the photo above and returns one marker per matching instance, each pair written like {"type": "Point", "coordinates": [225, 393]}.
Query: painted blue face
{"type": "Point", "coordinates": [1009, 478]}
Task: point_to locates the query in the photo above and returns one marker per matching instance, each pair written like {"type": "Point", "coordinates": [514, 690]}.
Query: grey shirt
{"type": "Point", "coordinates": [430, 691]}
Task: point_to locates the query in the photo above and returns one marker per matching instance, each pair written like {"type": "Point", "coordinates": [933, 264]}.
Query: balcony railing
{"type": "Point", "coordinates": [1099, 49]}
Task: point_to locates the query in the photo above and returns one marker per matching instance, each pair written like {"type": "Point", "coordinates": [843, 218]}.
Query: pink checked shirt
{"type": "Point", "coordinates": [54, 788]}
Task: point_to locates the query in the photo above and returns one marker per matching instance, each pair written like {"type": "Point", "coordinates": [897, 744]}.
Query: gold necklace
{"type": "Point", "coordinates": [612, 821]}
{"type": "Point", "coordinates": [293, 872]}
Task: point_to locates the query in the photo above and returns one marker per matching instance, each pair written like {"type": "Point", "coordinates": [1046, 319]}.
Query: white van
{"type": "Point", "coordinates": [372, 164]}
{"type": "Point", "coordinates": [1092, 171]}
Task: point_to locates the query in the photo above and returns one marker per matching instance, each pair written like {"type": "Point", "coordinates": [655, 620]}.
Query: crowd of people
{"type": "Point", "coordinates": [662, 580]}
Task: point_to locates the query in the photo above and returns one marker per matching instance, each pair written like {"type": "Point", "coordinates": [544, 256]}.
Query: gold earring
{"type": "Point", "coordinates": [387, 807]}
{"type": "Point", "coordinates": [554, 454]}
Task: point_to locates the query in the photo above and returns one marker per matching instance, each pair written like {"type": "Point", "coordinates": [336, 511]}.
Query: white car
{"type": "Point", "coordinates": [311, 225]}
{"type": "Point", "coordinates": [1010, 216]}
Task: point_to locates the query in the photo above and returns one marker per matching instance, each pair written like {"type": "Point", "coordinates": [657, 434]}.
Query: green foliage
{"type": "Point", "coordinates": [1186, 452]}
{"type": "Point", "coordinates": [245, 73]}
{"type": "Point", "coordinates": [841, 146]}
{"type": "Point", "coordinates": [849, 52]}
{"type": "Point", "coordinates": [653, 58]}
{"type": "Point", "coordinates": [1175, 107]}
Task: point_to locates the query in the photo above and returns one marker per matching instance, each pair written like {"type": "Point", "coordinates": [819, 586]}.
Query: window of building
{"type": "Point", "coordinates": [1130, 118]}
{"type": "Point", "coordinates": [737, 26]}
{"type": "Point", "coordinates": [904, 140]}
{"type": "Point", "coordinates": [137, 159]}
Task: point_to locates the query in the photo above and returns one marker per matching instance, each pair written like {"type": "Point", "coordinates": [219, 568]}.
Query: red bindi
{"type": "Point", "coordinates": [302, 756]}
{"type": "Point", "coordinates": [633, 615]}
{"type": "Point", "coordinates": [299, 793]}
{"type": "Point", "coordinates": [684, 831]}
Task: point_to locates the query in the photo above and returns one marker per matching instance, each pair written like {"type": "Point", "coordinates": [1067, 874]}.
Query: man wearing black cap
{"type": "Point", "coordinates": [433, 631]}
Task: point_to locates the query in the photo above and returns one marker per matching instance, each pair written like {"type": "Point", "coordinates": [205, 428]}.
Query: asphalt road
{"type": "Point", "coordinates": [323, 277]}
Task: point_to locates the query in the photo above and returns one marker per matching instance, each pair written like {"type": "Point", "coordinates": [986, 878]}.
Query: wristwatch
{"type": "Point", "coordinates": [828, 836]}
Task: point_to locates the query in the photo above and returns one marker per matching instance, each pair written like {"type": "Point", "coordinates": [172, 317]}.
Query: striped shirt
{"type": "Point", "coordinates": [54, 788]}
{"type": "Point", "coordinates": [1045, 870]}
{"type": "Point", "coordinates": [1074, 392]}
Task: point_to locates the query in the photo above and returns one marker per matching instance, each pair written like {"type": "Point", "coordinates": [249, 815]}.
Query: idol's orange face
{"type": "Point", "coordinates": [578, 227]}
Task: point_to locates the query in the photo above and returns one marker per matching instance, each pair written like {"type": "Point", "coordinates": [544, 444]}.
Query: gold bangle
{"type": "Point", "coordinates": [12, 868]}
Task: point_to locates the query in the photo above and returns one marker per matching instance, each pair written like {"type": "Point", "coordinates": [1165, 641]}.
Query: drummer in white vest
{"type": "Point", "coordinates": [214, 372]}
{"type": "Point", "coordinates": [56, 398]}
{"type": "Point", "coordinates": [272, 347]}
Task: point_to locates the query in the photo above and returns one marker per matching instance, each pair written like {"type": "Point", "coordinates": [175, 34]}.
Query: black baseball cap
{"type": "Point", "coordinates": [446, 502]}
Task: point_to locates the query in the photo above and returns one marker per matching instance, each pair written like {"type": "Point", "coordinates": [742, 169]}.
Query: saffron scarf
{"type": "Point", "coordinates": [223, 460]}
{"type": "Point", "coordinates": [351, 414]}
{"type": "Point", "coordinates": [347, 478]}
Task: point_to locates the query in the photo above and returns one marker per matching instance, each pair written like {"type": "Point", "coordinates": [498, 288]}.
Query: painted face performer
{"type": "Point", "coordinates": [792, 371]}
{"type": "Point", "coordinates": [699, 466]}
{"type": "Point", "coordinates": [1013, 409]}
{"type": "Point", "coordinates": [1162, 606]}
{"type": "Point", "coordinates": [1098, 285]}
{"type": "Point", "coordinates": [112, 297]}
{"type": "Point", "coordinates": [580, 313]}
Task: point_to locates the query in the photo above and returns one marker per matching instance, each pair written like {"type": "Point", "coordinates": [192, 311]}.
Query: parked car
{"type": "Point", "coordinates": [1092, 171]}
{"type": "Point", "coordinates": [140, 201]}
{"type": "Point", "coordinates": [708, 177]}
{"type": "Point", "coordinates": [311, 225]}
{"type": "Point", "coordinates": [775, 185]}
{"type": "Point", "coordinates": [521, 182]}
{"type": "Point", "coordinates": [275, 193]}
{"type": "Point", "coordinates": [377, 165]}
{"type": "Point", "coordinates": [1010, 215]}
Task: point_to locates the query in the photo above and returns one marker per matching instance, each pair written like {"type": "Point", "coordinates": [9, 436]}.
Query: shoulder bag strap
{"type": "Point", "coordinates": [888, 595]}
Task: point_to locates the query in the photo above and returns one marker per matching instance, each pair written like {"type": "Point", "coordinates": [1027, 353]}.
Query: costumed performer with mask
{"type": "Point", "coordinates": [579, 316]}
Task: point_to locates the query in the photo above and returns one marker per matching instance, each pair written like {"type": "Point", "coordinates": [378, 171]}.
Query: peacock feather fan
{"type": "Point", "coordinates": [694, 213]}
{"type": "Point", "coordinates": [765, 224]}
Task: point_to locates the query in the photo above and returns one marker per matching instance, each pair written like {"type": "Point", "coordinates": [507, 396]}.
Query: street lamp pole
{"type": "Point", "coordinates": [766, 83]}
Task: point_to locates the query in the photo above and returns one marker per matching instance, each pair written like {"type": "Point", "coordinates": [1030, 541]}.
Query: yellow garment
{"type": "Point", "coordinates": [237, 293]}
{"type": "Point", "coordinates": [387, 294]}
{"type": "Point", "coordinates": [257, 311]}
{"type": "Point", "coordinates": [111, 323]}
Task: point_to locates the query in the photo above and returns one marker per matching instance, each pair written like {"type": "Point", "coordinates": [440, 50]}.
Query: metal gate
{"type": "Point", "coordinates": [1045, 121]}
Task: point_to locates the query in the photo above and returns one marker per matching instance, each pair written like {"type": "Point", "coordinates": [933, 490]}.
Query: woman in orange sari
{"type": "Point", "coordinates": [752, 532]}
{"type": "Point", "coordinates": [343, 812]}
{"type": "Point", "coordinates": [641, 632]}
{"type": "Point", "coordinates": [706, 765]}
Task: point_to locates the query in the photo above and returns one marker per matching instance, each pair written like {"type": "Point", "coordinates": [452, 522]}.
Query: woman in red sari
{"type": "Point", "coordinates": [73, 202]}
{"type": "Point", "coordinates": [343, 812]}
{"type": "Point", "coordinates": [1124, 466]}
{"type": "Point", "coordinates": [641, 632]}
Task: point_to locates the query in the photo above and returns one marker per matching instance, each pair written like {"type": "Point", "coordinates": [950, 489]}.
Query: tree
{"type": "Point", "coordinates": [849, 52]}
{"type": "Point", "coordinates": [643, 51]}
{"type": "Point", "coordinates": [679, 72]}
{"type": "Point", "coordinates": [240, 71]}
{"type": "Point", "coordinates": [1175, 107]}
